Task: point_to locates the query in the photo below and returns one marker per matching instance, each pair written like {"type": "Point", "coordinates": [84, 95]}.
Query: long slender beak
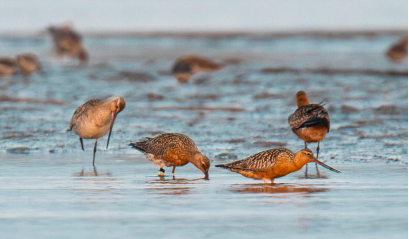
{"type": "Point", "coordinates": [206, 175]}
{"type": "Point", "coordinates": [110, 128]}
{"type": "Point", "coordinates": [326, 166]}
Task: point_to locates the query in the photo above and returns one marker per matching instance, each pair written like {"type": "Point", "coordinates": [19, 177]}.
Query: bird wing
{"type": "Point", "coordinates": [83, 109]}
{"type": "Point", "coordinates": [165, 143]}
{"type": "Point", "coordinates": [309, 115]}
{"type": "Point", "coordinates": [258, 162]}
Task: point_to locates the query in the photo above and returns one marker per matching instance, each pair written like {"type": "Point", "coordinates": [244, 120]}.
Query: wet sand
{"type": "Point", "coordinates": [49, 188]}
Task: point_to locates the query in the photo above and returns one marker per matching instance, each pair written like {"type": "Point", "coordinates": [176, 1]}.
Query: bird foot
{"type": "Point", "coordinates": [161, 174]}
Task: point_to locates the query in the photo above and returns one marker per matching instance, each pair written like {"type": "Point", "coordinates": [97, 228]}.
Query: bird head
{"type": "Point", "coordinates": [305, 156]}
{"type": "Point", "coordinates": [117, 105]}
{"type": "Point", "coordinates": [201, 162]}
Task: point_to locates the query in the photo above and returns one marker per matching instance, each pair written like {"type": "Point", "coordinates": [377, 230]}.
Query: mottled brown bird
{"type": "Point", "coordinates": [399, 50]}
{"type": "Point", "coordinates": [273, 163]}
{"type": "Point", "coordinates": [28, 63]}
{"type": "Point", "coordinates": [68, 43]}
{"type": "Point", "coordinates": [8, 66]}
{"type": "Point", "coordinates": [186, 66]}
{"type": "Point", "coordinates": [310, 122]}
{"type": "Point", "coordinates": [173, 149]}
{"type": "Point", "coordinates": [94, 118]}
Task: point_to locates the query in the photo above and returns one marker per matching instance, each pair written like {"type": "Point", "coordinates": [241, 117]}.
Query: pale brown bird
{"type": "Point", "coordinates": [68, 43]}
{"type": "Point", "coordinates": [310, 122]}
{"type": "Point", "coordinates": [399, 50]}
{"type": "Point", "coordinates": [186, 66]}
{"type": "Point", "coordinates": [94, 118]}
{"type": "Point", "coordinates": [28, 63]}
{"type": "Point", "coordinates": [8, 66]}
{"type": "Point", "coordinates": [173, 149]}
{"type": "Point", "coordinates": [273, 163]}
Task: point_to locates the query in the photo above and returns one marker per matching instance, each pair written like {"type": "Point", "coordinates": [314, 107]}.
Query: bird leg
{"type": "Point", "coordinates": [95, 150]}
{"type": "Point", "coordinates": [266, 180]}
{"type": "Point", "coordinates": [82, 144]}
{"type": "Point", "coordinates": [95, 171]}
{"type": "Point", "coordinates": [272, 181]}
{"type": "Point", "coordinates": [318, 151]}
{"type": "Point", "coordinates": [173, 171]}
{"type": "Point", "coordinates": [306, 165]}
{"type": "Point", "coordinates": [161, 172]}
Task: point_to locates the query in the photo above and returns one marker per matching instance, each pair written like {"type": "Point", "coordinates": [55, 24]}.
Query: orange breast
{"type": "Point", "coordinates": [175, 158]}
{"type": "Point", "coordinates": [314, 133]}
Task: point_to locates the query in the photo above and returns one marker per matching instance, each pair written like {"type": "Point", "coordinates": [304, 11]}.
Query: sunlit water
{"type": "Point", "coordinates": [50, 190]}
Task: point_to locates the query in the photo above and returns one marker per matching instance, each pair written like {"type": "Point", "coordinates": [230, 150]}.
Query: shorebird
{"type": "Point", "coordinates": [68, 43]}
{"type": "Point", "coordinates": [399, 50]}
{"type": "Point", "coordinates": [173, 149]}
{"type": "Point", "coordinates": [310, 122]}
{"type": "Point", "coordinates": [273, 163]}
{"type": "Point", "coordinates": [28, 63]}
{"type": "Point", "coordinates": [8, 66]}
{"type": "Point", "coordinates": [94, 118]}
{"type": "Point", "coordinates": [186, 66]}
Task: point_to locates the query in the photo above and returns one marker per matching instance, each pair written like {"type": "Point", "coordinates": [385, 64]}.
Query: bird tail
{"type": "Point", "coordinates": [222, 166]}
{"type": "Point", "coordinates": [140, 145]}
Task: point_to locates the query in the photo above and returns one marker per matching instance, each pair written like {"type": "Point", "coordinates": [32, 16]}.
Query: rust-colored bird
{"type": "Point", "coordinates": [310, 122]}
{"type": "Point", "coordinates": [399, 50]}
{"type": "Point", "coordinates": [8, 66]}
{"type": "Point", "coordinates": [94, 118]}
{"type": "Point", "coordinates": [186, 66]}
{"type": "Point", "coordinates": [68, 43]}
{"type": "Point", "coordinates": [173, 149]}
{"type": "Point", "coordinates": [273, 163]}
{"type": "Point", "coordinates": [28, 63]}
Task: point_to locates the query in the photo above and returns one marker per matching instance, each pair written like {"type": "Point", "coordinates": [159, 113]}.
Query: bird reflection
{"type": "Point", "coordinates": [93, 173]}
{"type": "Point", "coordinates": [173, 186]}
{"type": "Point", "coordinates": [312, 176]}
{"type": "Point", "coordinates": [276, 188]}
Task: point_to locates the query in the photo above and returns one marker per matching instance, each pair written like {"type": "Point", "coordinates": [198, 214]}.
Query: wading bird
{"type": "Point", "coordinates": [172, 150]}
{"type": "Point", "coordinates": [95, 118]}
{"type": "Point", "coordinates": [399, 50]}
{"type": "Point", "coordinates": [28, 63]}
{"type": "Point", "coordinates": [68, 43]}
{"type": "Point", "coordinates": [273, 163]}
{"type": "Point", "coordinates": [186, 66]}
{"type": "Point", "coordinates": [8, 66]}
{"type": "Point", "coordinates": [310, 122]}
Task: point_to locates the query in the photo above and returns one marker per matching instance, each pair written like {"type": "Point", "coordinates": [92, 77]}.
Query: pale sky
{"type": "Point", "coordinates": [210, 15]}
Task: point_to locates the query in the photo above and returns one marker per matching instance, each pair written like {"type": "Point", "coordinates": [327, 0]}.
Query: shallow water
{"type": "Point", "coordinates": [49, 188]}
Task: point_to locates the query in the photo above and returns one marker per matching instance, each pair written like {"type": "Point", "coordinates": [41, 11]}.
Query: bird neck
{"type": "Point", "coordinates": [302, 100]}
{"type": "Point", "coordinates": [299, 162]}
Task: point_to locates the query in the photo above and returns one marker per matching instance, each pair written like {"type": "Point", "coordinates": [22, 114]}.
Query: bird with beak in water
{"type": "Point", "coordinates": [95, 118]}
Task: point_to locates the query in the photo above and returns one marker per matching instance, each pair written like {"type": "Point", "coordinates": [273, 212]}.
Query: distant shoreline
{"type": "Point", "coordinates": [224, 34]}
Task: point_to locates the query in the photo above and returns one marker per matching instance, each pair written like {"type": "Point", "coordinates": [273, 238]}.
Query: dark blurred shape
{"type": "Point", "coordinates": [68, 43]}
{"type": "Point", "coordinates": [346, 109]}
{"type": "Point", "coordinates": [8, 66]}
{"type": "Point", "coordinates": [186, 66]}
{"type": "Point", "coordinates": [28, 63]}
{"type": "Point", "coordinates": [399, 50]}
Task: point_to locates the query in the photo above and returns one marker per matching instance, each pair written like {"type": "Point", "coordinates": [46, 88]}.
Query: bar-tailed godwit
{"type": "Point", "coordinates": [186, 66]}
{"type": "Point", "coordinates": [172, 150]}
{"type": "Point", "coordinates": [310, 122]}
{"type": "Point", "coordinates": [399, 50]}
{"type": "Point", "coordinates": [28, 63]}
{"type": "Point", "coordinates": [94, 118]}
{"type": "Point", "coordinates": [8, 66]}
{"type": "Point", "coordinates": [273, 163]}
{"type": "Point", "coordinates": [68, 43]}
